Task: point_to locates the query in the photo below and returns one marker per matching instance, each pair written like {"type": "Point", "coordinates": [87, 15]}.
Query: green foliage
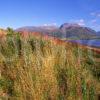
{"type": "Point", "coordinates": [92, 92]}
{"type": "Point", "coordinates": [62, 80]}
{"type": "Point", "coordinates": [7, 85]}
{"type": "Point", "coordinates": [84, 89]}
{"type": "Point", "coordinates": [10, 31]}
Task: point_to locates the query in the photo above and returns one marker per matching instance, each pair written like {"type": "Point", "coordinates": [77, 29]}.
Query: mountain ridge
{"type": "Point", "coordinates": [66, 30]}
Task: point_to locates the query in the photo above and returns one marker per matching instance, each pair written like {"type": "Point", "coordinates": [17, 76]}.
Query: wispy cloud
{"type": "Point", "coordinates": [92, 13]}
{"type": "Point", "coordinates": [51, 24]}
{"type": "Point", "coordinates": [80, 22]}
{"type": "Point", "coordinates": [93, 20]}
{"type": "Point", "coordinates": [96, 27]}
{"type": "Point", "coordinates": [96, 14]}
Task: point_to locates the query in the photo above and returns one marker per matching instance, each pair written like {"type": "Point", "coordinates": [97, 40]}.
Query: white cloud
{"type": "Point", "coordinates": [80, 22]}
{"type": "Point", "coordinates": [52, 24]}
{"type": "Point", "coordinates": [94, 21]}
{"type": "Point", "coordinates": [96, 14]}
{"type": "Point", "coordinates": [93, 13]}
{"type": "Point", "coordinates": [96, 27]}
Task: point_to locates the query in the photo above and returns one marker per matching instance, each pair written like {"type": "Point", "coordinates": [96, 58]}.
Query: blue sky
{"type": "Point", "coordinates": [18, 13]}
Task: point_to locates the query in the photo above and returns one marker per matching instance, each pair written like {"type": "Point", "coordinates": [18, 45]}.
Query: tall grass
{"type": "Point", "coordinates": [33, 68]}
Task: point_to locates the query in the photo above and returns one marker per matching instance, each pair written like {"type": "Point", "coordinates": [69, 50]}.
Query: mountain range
{"type": "Point", "coordinates": [65, 31]}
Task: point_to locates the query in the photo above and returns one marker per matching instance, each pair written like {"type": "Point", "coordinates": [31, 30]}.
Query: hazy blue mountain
{"type": "Point", "coordinates": [77, 31]}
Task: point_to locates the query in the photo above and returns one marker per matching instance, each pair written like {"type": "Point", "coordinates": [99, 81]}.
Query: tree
{"type": "Point", "coordinates": [10, 31]}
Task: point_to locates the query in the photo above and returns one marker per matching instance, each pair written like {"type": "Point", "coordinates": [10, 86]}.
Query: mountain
{"type": "Point", "coordinates": [77, 31]}
{"type": "Point", "coordinates": [66, 30]}
{"type": "Point", "coordinates": [98, 33]}
{"type": "Point", "coordinates": [43, 29]}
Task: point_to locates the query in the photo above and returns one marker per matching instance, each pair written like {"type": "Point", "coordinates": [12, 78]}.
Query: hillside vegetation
{"type": "Point", "coordinates": [36, 67]}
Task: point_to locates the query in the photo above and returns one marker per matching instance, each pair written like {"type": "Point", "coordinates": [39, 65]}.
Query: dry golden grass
{"type": "Point", "coordinates": [39, 68]}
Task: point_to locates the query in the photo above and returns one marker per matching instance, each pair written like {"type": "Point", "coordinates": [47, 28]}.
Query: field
{"type": "Point", "coordinates": [36, 67]}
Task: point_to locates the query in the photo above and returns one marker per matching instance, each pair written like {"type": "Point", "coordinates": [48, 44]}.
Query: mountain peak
{"type": "Point", "coordinates": [66, 25]}
{"type": "Point", "coordinates": [49, 27]}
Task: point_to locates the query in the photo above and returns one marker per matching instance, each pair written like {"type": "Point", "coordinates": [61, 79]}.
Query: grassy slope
{"type": "Point", "coordinates": [41, 68]}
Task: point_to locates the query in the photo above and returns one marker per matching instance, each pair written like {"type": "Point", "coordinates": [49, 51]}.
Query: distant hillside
{"type": "Point", "coordinates": [77, 31]}
{"type": "Point", "coordinates": [66, 30]}
{"type": "Point", "coordinates": [42, 29]}
{"type": "Point", "coordinates": [98, 33]}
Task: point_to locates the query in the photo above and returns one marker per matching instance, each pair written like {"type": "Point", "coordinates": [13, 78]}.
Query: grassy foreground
{"type": "Point", "coordinates": [39, 68]}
